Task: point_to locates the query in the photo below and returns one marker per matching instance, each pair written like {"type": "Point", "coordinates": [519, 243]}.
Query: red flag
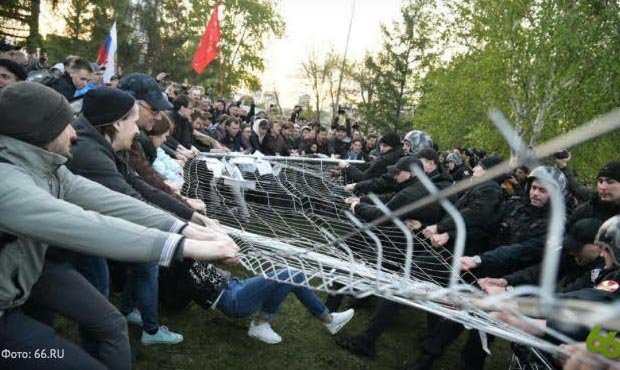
{"type": "Point", "coordinates": [207, 49]}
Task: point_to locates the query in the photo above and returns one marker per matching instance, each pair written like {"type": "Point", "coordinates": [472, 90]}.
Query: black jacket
{"type": "Point", "coordinates": [267, 147]}
{"type": "Point", "coordinates": [408, 192]}
{"type": "Point", "coordinates": [594, 208]}
{"type": "Point", "coordinates": [232, 143]}
{"type": "Point", "coordinates": [338, 147]}
{"type": "Point", "coordinates": [94, 158]}
{"type": "Point", "coordinates": [183, 131]}
{"type": "Point", "coordinates": [373, 169]}
{"type": "Point", "coordinates": [480, 207]}
{"type": "Point", "coordinates": [520, 239]}
{"type": "Point", "coordinates": [64, 85]}
{"type": "Point", "coordinates": [460, 172]}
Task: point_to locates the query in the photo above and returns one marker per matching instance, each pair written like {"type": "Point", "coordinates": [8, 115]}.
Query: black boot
{"type": "Point", "coordinates": [359, 345]}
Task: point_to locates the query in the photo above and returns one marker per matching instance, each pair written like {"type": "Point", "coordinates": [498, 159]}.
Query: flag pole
{"type": "Point", "coordinates": [344, 59]}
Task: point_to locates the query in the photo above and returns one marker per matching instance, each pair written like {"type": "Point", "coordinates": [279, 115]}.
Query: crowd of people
{"type": "Point", "coordinates": [96, 171]}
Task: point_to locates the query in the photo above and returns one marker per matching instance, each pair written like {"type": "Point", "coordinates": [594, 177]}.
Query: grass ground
{"type": "Point", "coordinates": [214, 341]}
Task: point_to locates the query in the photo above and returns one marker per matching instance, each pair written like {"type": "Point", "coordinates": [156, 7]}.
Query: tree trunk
{"type": "Point", "coordinates": [34, 38]}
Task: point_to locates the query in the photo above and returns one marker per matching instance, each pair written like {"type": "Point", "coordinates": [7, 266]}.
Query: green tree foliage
{"type": "Point", "coordinates": [549, 65]}
{"type": "Point", "coordinates": [245, 27]}
{"type": "Point", "coordinates": [396, 71]}
{"type": "Point", "coordinates": [162, 35]}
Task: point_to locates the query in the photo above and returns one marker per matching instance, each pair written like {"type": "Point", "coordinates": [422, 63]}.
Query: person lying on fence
{"type": "Point", "coordinates": [606, 290]}
{"type": "Point", "coordinates": [42, 204]}
{"type": "Point", "coordinates": [215, 288]}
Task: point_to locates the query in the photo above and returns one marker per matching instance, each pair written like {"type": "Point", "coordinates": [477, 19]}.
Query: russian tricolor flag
{"type": "Point", "coordinates": [107, 55]}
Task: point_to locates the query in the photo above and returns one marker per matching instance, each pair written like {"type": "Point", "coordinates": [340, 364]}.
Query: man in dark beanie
{"type": "Point", "coordinates": [41, 204]}
{"type": "Point", "coordinates": [10, 73]}
{"type": "Point", "coordinates": [390, 148]}
{"type": "Point", "coordinates": [489, 162]}
{"type": "Point", "coordinates": [607, 202]}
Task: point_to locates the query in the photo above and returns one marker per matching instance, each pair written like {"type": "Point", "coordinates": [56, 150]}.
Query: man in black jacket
{"type": "Point", "coordinates": [232, 135]}
{"type": "Point", "coordinates": [76, 77]}
{"type": "Point", "coordinates": [411, 190]}
{"type": "Point", "coordinates": [183, 131]}
{"type": "Point", "coordinates": [366, 177]}
{"type": "Point", "coordinates": [339, 144]}
{"type": "Point", "coordinates": [604, 206]}
{"type": "Point", "coordinates": [479, 207]}
{"type": "Point", "coordinates": [607, 202]}
{"type": "Point", "coordinates": [523, 228]}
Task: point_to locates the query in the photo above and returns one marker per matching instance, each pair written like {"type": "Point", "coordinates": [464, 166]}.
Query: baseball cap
{"type": "Point", "coordinates": [144, 87]}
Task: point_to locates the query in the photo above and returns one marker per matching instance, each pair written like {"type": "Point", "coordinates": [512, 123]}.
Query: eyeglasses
{"type": "Point", "coordinates": [148, 107]}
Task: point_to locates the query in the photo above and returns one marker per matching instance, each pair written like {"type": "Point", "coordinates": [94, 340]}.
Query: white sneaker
{"type": "Point", "coordinates": [134, 318]}
{"type": "Point", "coordinates": [162, 336]}
{"type": "Point", "coordinates": [264, 333]}
{"type": "Point", "coordinates": [339, 320]}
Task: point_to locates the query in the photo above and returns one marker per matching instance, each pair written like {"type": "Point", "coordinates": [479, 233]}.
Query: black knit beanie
{"type": "Point", "coordinates": [611, 170]}
{"type": "Point", "coordinates": [105, 105]}
{"type": "Point", "coordinates": [14, 68]}
{"type": "Point", "coordinates": [33, 113]}
{"type": "Point", "coordinates": [392, 139]}
{"type": "Point", "coordinates": [490, 162]}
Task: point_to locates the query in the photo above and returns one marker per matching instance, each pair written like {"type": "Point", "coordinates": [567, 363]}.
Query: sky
{"type": "Point", "coordinates": [311, 25]}
{"type": "Point", "coordinates": [320, 25]}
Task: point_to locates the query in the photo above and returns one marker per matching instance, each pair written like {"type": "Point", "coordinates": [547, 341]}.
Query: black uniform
{"type": "Point", "coordinates": [374, 178]}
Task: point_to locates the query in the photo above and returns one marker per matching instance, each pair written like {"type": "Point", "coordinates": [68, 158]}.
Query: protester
{"type": "Point", "coordinates": [58, 208]}
{"type": "Point", "coordinates": [11, 73]}
{"type": "Point", "coordinates": [215, 288]}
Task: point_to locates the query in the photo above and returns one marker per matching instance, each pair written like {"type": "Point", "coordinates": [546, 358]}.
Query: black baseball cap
{"type": "Point", "coordinates": [144, 87]}
{"type": "Point", "coordinates": [404, 164]}
{"type": "Point", "coordinates": [581, 233]}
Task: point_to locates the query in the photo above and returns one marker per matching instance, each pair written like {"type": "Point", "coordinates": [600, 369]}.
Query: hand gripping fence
{"type": "Point", "coordinates": [288, 212]}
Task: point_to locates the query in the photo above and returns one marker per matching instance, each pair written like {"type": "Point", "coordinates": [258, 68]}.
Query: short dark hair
{"type": "Point", "coordinates": [181, 101]}
{"type": "Point", "coordinates": [341, 128]}
{"type": "Point", "coordinates": [200, 114]}
{"type": "Point", "coordinates": [82, 64]}
{"type": "Point", "coordinates": [357, 141]}
{"type": "Point", "coordinates": [230, 120]}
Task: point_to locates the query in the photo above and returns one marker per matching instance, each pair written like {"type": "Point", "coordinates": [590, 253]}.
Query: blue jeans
{"type": "Point", "coordinates": [243, 297]}
{"type": "Point", "coordinates": [140, 291]}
